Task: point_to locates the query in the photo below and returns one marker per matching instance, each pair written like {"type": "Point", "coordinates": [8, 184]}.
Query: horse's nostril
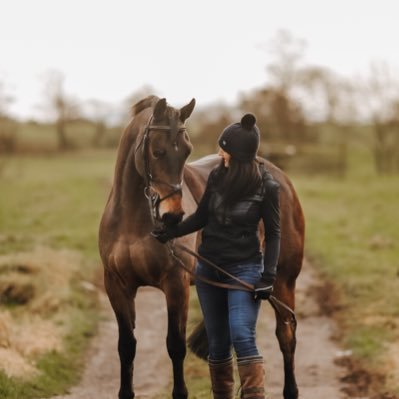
{"type": "Point", "coordinates": [171, 219]}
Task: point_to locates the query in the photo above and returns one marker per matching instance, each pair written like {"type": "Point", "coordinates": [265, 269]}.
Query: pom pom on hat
{"type": "Point", "coordinates": [248, 121]}
{"type": "Point", "coordinates": [241, 140]}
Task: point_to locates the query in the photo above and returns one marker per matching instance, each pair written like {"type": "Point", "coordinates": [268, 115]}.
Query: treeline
{"type": "Point", "coordinates": [306, 114]}
{"type": "Point", "coordinates": [312, 112]}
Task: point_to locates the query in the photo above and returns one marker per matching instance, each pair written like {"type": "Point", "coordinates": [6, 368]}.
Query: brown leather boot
{"type": "Point", "coordinates": [222, 378]}
{"type": "Point", "coordinates": [252, 376]}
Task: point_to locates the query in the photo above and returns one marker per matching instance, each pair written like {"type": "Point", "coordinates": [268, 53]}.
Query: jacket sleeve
{"type": "Point", "coordinates": [271, 221]}
{"type": "Point", "coordinates": [199, 218]}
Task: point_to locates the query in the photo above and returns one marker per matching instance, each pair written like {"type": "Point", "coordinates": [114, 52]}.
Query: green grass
{"type": "Point", "coordinates": [352, 237]}
{"type": "Point", "coordinates": [33, 137]}
{"type": "Point", "coordinates": [56, 202]}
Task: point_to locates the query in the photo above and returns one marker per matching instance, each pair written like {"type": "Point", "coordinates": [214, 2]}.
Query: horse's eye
{"type": "Point", "coordinates": [159, 153]}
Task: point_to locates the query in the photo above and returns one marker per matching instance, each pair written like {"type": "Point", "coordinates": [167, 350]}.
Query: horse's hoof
{"type": "Point", "coordinates": [291, 393]}
{"type": "Point", "coordinates": [126, 395]}
{"type": "Point", "coordinates": [180, 395]}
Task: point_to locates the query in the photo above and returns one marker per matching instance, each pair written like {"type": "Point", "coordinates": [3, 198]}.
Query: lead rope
{"type": "Point", "coordinates": [243, 286]}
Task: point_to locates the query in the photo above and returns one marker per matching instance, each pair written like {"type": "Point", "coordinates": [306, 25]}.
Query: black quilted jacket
{"type": "Point", "coordinates": [230, 236]}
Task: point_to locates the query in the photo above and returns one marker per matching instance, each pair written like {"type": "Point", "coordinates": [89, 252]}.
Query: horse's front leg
{"type": "Point", "coordinates": [286, 335]}
{"type": "Point", "coordinates": [177, 296]}
{"type": "Point", "coordinates": [123, 306]}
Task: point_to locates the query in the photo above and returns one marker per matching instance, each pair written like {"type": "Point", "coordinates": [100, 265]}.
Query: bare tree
{"type": "Point", "coordinates": [8, 126]}
{"type": "Point", "coordinates": [206, 125]}
{"type": "Point", "coordinates": [280, 113]}
{"type": "Point", "coordinates": [136, 96]}
{"type": "Point", "coordinates": [99, 111]}
{"type": "Point", "coordinates": [380, 94]}
{"type": "Point", "coordinates": [299, 96]}
{"type": "Point", "coordinates": [286, 52]}
{"type": "Point", "coordinates": [63, 108]}
{"type": "Point", "coordinates": [330, 99]}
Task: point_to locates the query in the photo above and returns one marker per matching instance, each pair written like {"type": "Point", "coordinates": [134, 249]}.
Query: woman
{"type": "Point", "coordinates": [239, 193]}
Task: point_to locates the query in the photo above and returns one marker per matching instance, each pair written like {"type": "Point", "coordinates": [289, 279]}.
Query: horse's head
{"type": "Point", "coordinates": [165, 146]}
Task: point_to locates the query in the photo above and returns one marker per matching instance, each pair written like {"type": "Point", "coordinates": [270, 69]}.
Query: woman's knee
{"type": "Point", "coordinates": [244, 342]}
{"type": "Point", "coordinates": [245, 348]}
{"type": "Point", "coordinates": [219, 350]}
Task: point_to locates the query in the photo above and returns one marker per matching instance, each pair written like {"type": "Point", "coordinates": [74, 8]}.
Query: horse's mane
{"type": "Point", "coordinates": [147, 102]}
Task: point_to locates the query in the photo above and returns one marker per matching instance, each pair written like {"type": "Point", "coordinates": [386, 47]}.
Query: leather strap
{"type": "Point", "coordinates": [243, 286]}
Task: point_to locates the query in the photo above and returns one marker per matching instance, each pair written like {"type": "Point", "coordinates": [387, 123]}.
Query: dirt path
{"type": "Point", "coordinates": [101, 377]}
{"type": "Point", "coordinates": [317, 375]}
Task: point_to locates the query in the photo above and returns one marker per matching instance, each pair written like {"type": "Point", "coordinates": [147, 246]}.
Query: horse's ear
{"type": "Point", "coordinates": [186, 111]}
{"type": "Point", "coordinates": [160, 108]}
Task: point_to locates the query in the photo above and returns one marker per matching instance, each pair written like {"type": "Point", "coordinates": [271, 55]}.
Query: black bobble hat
{"type": "Point", "coordinates": [241, 140]}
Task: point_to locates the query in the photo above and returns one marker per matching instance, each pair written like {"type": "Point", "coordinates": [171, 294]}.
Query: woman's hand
{"type": "Point", "coordinates": [163, 234]}
{"type": "Point", "coordinates": [263, 289]}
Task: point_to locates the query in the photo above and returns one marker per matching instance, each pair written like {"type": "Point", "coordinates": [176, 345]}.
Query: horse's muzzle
{"type": "Point", "coordinates": [171, 219]}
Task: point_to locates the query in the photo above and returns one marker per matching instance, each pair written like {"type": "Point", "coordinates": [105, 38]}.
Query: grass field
{"type": "Point", "coordinates": [352, 238]}
{"type": "Point", "coordinates": [49, 213]}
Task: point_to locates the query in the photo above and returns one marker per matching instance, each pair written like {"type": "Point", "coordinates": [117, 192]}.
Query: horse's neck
{"type": "Point", "coordinates": [128, 188]}
{"type": "Point", "coordinates": [132, 184]}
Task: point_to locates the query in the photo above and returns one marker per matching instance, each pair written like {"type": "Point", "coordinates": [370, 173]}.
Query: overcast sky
{"type": "Point", "coordinates": [208, 49]}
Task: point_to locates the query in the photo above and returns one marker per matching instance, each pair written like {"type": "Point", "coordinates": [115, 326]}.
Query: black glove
{"type": "Point", "coordinates": [263, 288]}
{"type": "Point", "coordinates": [163, 234]}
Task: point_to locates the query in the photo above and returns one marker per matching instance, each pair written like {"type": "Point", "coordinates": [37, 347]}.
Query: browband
{"type": "Point", "coordinates": [160, 127]}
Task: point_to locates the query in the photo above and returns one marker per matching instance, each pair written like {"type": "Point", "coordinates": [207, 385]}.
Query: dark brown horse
{"type": "Point", "coordinates": [153, 183]}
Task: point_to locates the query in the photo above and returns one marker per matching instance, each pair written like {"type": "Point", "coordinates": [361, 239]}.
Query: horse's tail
{"type": "Point", "coordinates": [198, 341]}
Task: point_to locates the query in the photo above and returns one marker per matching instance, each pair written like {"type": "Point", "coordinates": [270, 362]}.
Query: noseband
{"type": "Point", "coordinates": [153, 197]}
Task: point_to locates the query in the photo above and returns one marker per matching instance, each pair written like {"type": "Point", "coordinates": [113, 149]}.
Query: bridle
{"type": "Point", "coordinates": [152, 196]}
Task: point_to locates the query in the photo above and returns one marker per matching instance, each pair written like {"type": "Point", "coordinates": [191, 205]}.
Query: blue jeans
{"type": "Point", "coordinates": [230, 315]}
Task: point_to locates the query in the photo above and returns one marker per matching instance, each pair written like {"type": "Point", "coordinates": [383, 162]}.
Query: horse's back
{"type": "Point", "coordinates": [196, 174]}
{"type": "Point", "coordinates": [204, 165]}
{"type": "Point", "coordinates": [292, 224]}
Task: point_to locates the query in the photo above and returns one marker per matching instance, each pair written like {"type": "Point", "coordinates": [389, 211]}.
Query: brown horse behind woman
{"type": "Point", "coordinates": [153, 184]}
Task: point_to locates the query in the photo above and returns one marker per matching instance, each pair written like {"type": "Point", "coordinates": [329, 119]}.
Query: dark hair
{"type": "Point", "coordinates": [238, 181]}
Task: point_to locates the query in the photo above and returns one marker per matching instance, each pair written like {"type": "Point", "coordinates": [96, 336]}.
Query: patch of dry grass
{"type": "Point", "coordinates": [48, 306]}
{"type": "Point", "coordinates": [36, 286]}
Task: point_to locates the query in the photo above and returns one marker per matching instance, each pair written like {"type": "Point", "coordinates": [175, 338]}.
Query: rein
{"type": "Point", "coordinates": [242, 285]}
